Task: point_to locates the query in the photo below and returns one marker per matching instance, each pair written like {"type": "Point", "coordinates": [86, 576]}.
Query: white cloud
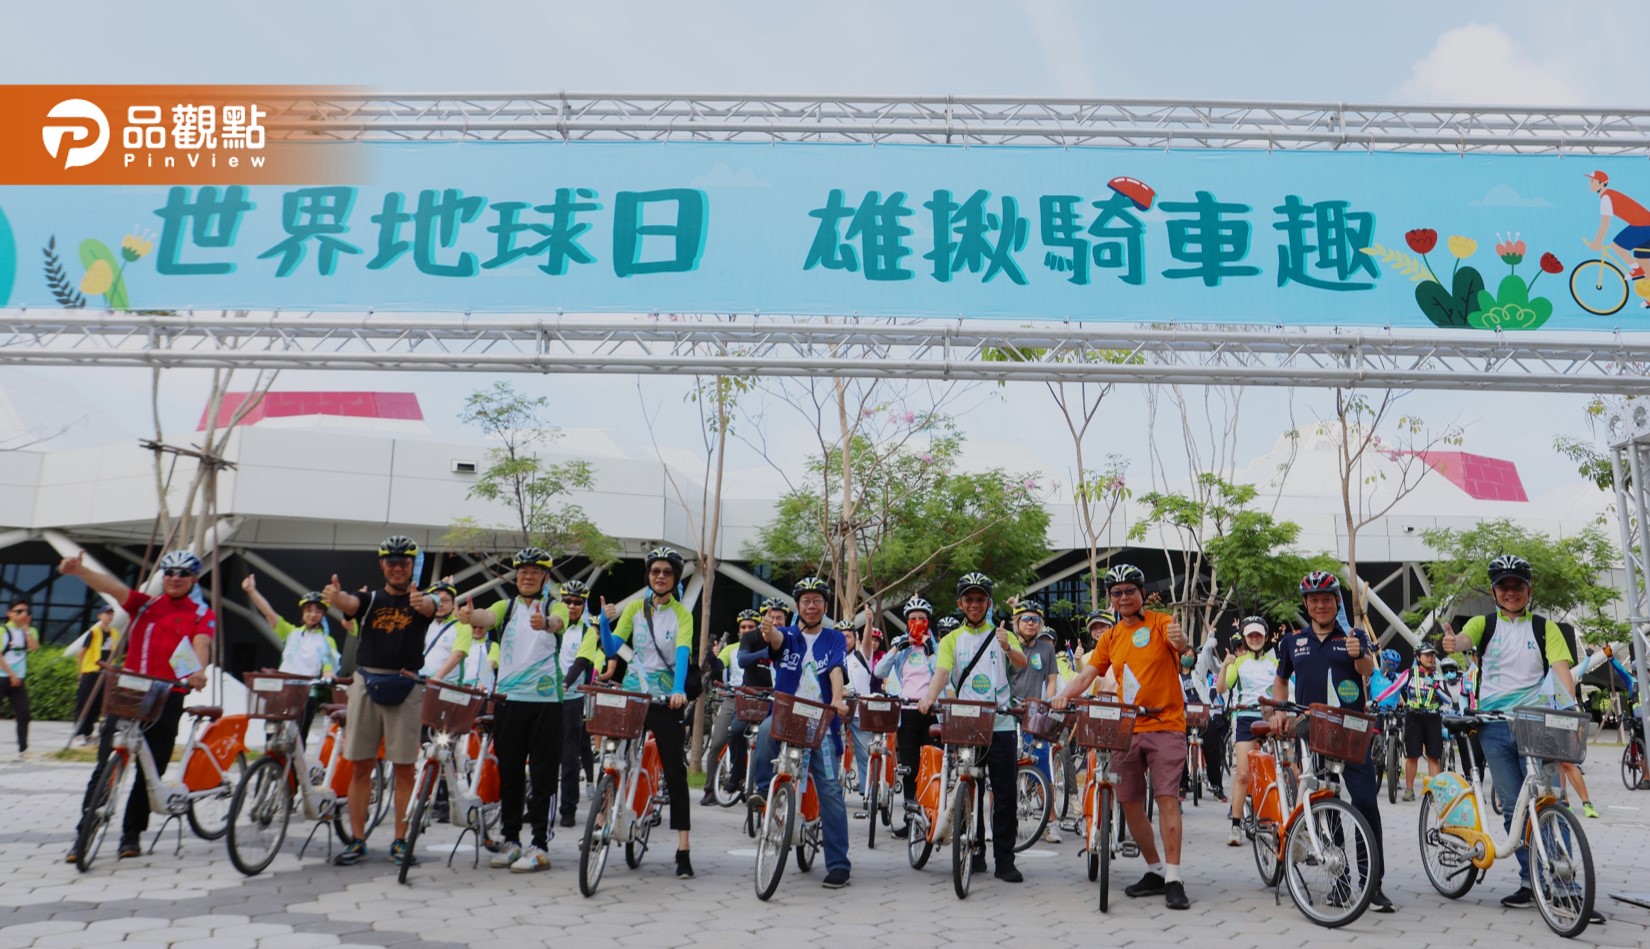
{"type": "Point", "coordinates": [1482, 64]}
{"type": "Point", "coordinates": [1506, 196]}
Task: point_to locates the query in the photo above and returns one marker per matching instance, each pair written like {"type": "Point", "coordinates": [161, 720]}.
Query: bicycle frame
{"type": "Point", "coordinates": [1467, 791]}
{"type": "Point", "coordinates": [790, 767]}
{"type": "Point", "coordinates": [638, 773]}
{"type": "Point", "coordinates": [1308, 789]}
{"type": "Point", "coordinates": [960, 769]}
{"type": "Point", "coordinates": [166, 799]}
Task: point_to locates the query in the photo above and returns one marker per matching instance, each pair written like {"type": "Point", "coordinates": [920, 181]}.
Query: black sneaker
{"type": "Point", "coordinates": [684, 865]}
{"type": "Point", "coordinates": [836, 880]}
{"type": "Point", "coordinates": [976, 863]}
{"type": "Point", "coordinates": [1595, 918]}
{"type": "Point", "coordinates": [901, 832]}
{"type": "Point", "coordinates": [1150, 885]}
{"type": "Point", "coordinates": [1010, 874]}
{"type": "Point", "coordinates": [708, 799]}
{"type": "Point", "coordinates": [1520, 899]}
{"type": "Point", "coordinates": [1174, 896]}
{"type": "Point", "coordinates": [130, 846]}
{"type": "Point", "coordinates": [351, 855]}
{"type": "Point", "coordinates": [568, 820]}
{"type": "Point", "coordinates": [1380, 904]}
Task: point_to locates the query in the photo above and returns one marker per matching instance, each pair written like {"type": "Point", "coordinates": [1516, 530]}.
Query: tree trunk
{"type": "Point", "coordinates": [711, 528]}
{"type": "Point", "coordinates": [848, 589]}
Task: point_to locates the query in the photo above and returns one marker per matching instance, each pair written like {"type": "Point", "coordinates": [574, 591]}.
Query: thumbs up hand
{"type": "Point", "coordinates": [536, 619]}
{"type": "Point", "coordinates": [421, 602]}
{"type": "Point", "coordinates": [331, 590]}
{"type": "Point", "coordinates": [1449, 643]}
{"type": "Point", "coordinates": [611, 612]}
{"type": "Point", "coordinates": [249, 584]}
{"type": "Point", "coordinates": [465, 610]}
{"type": "Point", "coordinates": [71, 565]}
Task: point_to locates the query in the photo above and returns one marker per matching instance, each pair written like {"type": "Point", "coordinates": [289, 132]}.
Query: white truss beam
{"type": "Point", "coordinates": [930, 349]}
{"type": "Point", "coordinates": [958, 120]}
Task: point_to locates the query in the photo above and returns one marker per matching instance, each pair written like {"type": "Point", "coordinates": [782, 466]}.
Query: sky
{"type": "Point", "coordinates": [1396, 52]}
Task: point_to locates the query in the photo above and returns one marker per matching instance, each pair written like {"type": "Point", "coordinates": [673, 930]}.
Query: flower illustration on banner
{"type": "Point", "coordinates": [1511, 251]}
{"type": "Point", "coordinates": [105, 273]}
{"type": "Point", "coordinates": [1465, 302]}
{"type": "Point", "coordinates": [1462, 247]}
{"type": "Point", "coordinates": [1512, 307]}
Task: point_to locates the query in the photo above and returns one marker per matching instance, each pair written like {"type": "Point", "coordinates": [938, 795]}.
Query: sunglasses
{"type": "Point", "coordinates": [176, 572]}
{"type": "Point", "coordinates": [18, 609]}
{"type": "Point", "coordinates": [396, 561]}
{"type": "Point", "coordinates": [1119, 592]}
{"type": "Point", "coordinates": [573, 601]}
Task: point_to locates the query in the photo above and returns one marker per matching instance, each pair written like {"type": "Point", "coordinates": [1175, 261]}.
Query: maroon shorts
{"type": "Point", "coordinates": [1161, 753]}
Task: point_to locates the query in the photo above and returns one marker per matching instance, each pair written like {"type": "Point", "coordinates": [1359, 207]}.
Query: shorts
{"type": "Point", "coordinates": [1243, 724]}
{"type": "Point", "coordinates": [1424, 732]}
{"type": "Point", "coordinates": [1633, 236]}
{"type": "Point", "coordinates": [1164, 753]}
{"type": "Point", "coordinates": [370, 723]}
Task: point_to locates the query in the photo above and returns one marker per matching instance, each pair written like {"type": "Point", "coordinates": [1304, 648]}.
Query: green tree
{"type": "Point", "coordinates": [1567, 571]}
{"type": "Point", "coordinates": [918, 523]}
{"type": "Point", "coordinates": [1230, 554]}
{"type": "Point", "coordinates": [530, 489]}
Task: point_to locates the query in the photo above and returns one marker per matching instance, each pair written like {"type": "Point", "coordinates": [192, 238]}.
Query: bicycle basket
{"type": "Point", "coordinates": [1340, 733]}
{"type": "Point", "coordinates": [751, 708]}
{"type": "Point", "coordinates": [275, 697]}
{"type": "Point", "coordinates": [877, 714]}
{"type": "Point", "coordinates": [1197, 715]}
{"type": "Point", "coordinates": [450, 709]}
{"type": "Point", "coordinates": [1042, 721]}
{"type": "Point", "coordinates": [967, 723]}
{"type": "Point", "coordinates": [614, 713]}
{"type": "Point", "coordinates": [134, 695]}
{"type": "Point", "coordinates": [1104, 726]}
{"type": "Point", "coordinates": [800, 722]}
{"type": "Point", "coordinates": [1550, 734]}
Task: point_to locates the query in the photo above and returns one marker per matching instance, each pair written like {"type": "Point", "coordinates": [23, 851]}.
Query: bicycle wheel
{"type": "Point", "coordinates": [209, 815]}
{"type": "Point", "coordinates": [873, 805]}
{"type": "Point", "coordinates": [383, 795]}
{"type": "Point", "coordinates": [423, 797]}
{"type": "Point", "coordinates": [962, 839]}
{"type": "Point", "coordinates": [1031, 793]}
{"type": "Point", "coordinates": [636, 847]}
{"type": "Point", "coordinates": [1194, 768]}
{"type": "Point", "coordinates": [1561, 869]}
{"type": "Point", "coordinates": [597, 836]}
{"type": "Point", "coordinates": [1444, 858]}
{"type": "Point", "coordinates": [1598, 287]}
{"type": "Point", "coordinates": [107, 789]}
{"type": "Point", "coordinates": [773, 845]}
{"type": "Point", "coordinates": [808, 847]}
{"type": "Point", "coordinates": [918, 848]}
{"type": "Point", "coordinates": [1632, 765]}
{"type": "Point", "coordinates": [1265, 843]}
{"type": "Point", "coordinates": [1393, 769]}
{"type": "Point", "coordinates": [1103, 797]}
{"type": "Point", "coordinates": [1331, 863]}
{"type": "Point", "coordinates": [259, 815]}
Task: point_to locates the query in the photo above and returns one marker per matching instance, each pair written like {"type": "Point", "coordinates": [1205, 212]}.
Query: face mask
{"type": "Point", "coordinates": [917, 626]}
{"type": "Point", "coordinates": [1186, 662]}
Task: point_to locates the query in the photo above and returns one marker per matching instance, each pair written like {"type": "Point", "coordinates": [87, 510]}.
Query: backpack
{"type": "Point", "coordinates": [1537, 622]}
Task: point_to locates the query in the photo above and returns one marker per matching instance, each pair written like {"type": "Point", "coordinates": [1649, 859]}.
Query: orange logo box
{"type": "Point", "coordinates": [175, 135]}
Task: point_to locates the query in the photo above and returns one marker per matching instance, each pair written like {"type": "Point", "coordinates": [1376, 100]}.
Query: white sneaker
{"type": "Point", "coordinates": [1235, 838]}
{"type": "Point", "coordinates": [1051, 835]}
{"type": "Point", "coordinates": [532, 861]}
{"type": "Point", "coordinates": [506, 857]}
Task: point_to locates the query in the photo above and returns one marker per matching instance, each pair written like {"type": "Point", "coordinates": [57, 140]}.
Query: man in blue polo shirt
{"type": "Point", "coordinates": [808, 663]}
{"type": "Point", "coordinates": [1329, 664]}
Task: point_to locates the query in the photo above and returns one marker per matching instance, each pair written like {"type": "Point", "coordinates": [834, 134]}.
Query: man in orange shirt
{"type": "Point", "coordinates": [1613, 205]}
{"type": "Point", "coordinates": [1144, 651]}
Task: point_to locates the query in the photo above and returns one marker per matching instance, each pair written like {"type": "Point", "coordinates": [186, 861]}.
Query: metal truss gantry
{"type": "Point", "coordinates": [958, 120]}
{"type": "Point", "coordinates": [919, 349]}
{"type": "Point", "coordinates": [1627, 422]}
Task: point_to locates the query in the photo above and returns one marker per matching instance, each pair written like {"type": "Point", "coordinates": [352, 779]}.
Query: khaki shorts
{"type": "Point", "coordinates": [370, 723]}
{"type": "Point", "coordinates": [1163, 753]}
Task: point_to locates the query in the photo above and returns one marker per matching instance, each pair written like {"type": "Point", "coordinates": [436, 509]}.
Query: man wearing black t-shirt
{"type": "Point", "coordinates": [383, 705]}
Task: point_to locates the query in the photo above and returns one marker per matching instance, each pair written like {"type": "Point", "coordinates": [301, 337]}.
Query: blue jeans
{"type": "Point", "coordinates": [1501, 754]}
{"type": "Point", "coordinates": [1039, 753]}
{"type": "Point", "coordinates": [862, 755]}
{"type": "Point", "coordinates": [822, 768]}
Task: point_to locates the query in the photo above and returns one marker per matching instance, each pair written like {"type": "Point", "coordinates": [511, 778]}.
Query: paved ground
{"type": "Point", "coordinates": [198, 899]}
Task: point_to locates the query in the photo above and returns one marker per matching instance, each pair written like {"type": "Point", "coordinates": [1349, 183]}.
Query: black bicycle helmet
{"type": "Point", "coordinates": [947, 623]}
{"type": "Point", "coordinates": [975, 581]}
{"type": "Point", "coordinates": [576, 588]}
{"type": "Point", "coordinates": [1103, 617]}
{"type": "Point", "coordinates": [774, 603]}
{"type": "Point", "coordinates": [1509, 565]}
{"type": "Point", "coordinates": [1028, 606]}
{"type": "Point", "coordinates": [1320, 581]}
{"type": "Point", "coordinates": [750, 615]}
{"type": "Point", "coordinates": [1126, 573]}
{"type": "Point", "coordinates": [818, 585]}
{"type": "Point", "coordinates": [532, 557]}
{"type": "Point", "coordinates": [397, 545]}
{"type": "Point", "coordinates": [442, 586]}
{"type": "Point", "coordinates": [312, 597]}
{"type": "Point", "coordinates": [667, 554]}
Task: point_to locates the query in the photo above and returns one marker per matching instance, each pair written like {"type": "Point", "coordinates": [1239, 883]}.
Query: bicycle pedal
{"type": "Point", "coordinates": [1129, 851]}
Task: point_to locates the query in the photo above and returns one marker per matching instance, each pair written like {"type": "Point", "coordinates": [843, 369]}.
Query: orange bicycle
{"type": "Point", "coordinates": [629, 796]}
{"type": "Point", "coordinates": [799, 727]}
{"type": "Point", "coordinates": [1103, 730]}
{"type": "Point", "coordinates": [878, 716]}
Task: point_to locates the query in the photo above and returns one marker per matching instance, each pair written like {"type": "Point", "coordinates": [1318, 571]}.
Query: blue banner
{"type": "Point", "coordinates": [1234, 237]}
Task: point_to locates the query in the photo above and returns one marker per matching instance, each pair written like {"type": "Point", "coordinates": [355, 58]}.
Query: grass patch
{"type": "Point", "coordinates": [697, 779]}
{"type": "Point", "coordinates": [79, 755]}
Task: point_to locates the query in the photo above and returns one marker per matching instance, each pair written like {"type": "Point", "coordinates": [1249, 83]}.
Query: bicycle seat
{"type": "Point", "coordinates": [1465, 724]}
{"type": "Point", "coordinates": [1260, 729]}
{"type": "Point", "coordinates": [208, 712]}
{"type": "Point", "coordinates": [934, 732]}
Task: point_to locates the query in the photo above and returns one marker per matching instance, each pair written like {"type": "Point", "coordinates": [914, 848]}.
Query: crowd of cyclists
{"type": "Point", "coordinates": [535, 651]}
